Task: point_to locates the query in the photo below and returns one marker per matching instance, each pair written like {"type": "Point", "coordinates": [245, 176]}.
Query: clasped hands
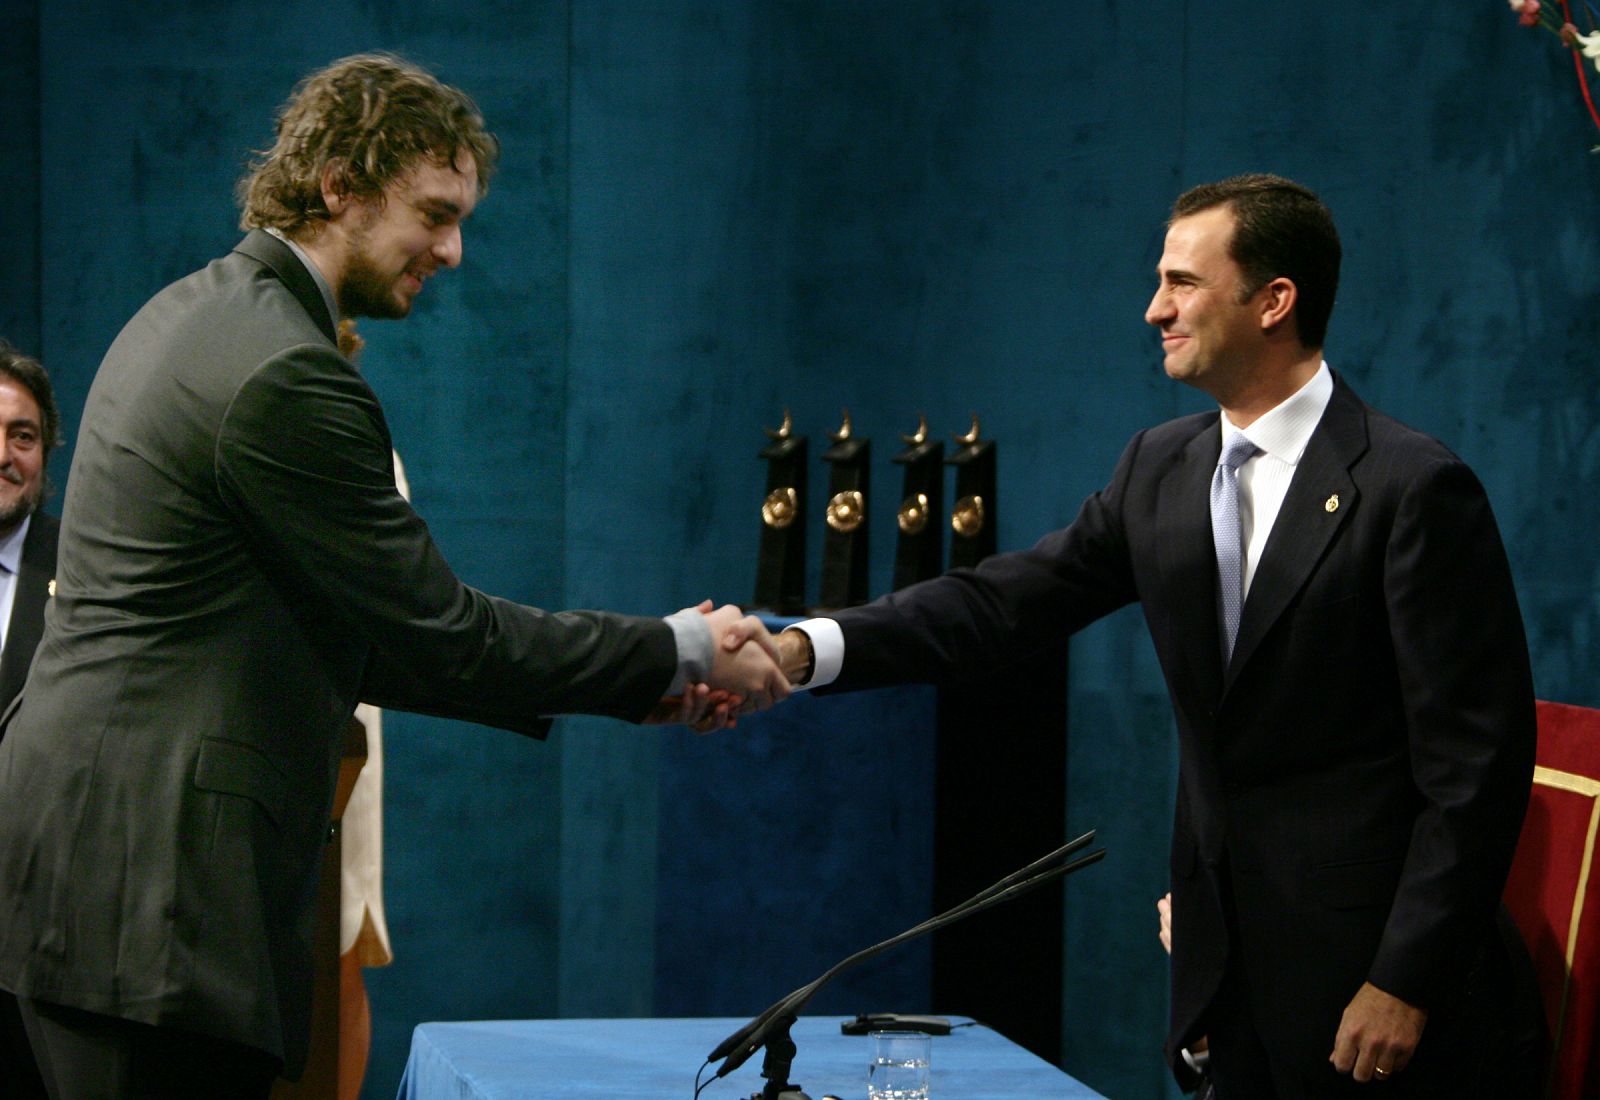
{"type": "Point", "coordinates": [746, 674]}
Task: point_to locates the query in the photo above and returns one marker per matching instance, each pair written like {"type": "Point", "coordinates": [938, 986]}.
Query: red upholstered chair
{"type": "Point", "coordinates": [1554, 892]}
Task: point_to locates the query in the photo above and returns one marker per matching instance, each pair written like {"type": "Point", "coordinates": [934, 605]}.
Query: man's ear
{"type": "Point", "coordinates": [335, 187]}
{"type": "Point", "coordinates": [1278, 299]}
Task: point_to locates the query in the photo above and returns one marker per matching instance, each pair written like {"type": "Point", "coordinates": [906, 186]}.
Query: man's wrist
{"type": "Point", "coordinates": [797, 656]}
{"type": "Point", "coordinates": [696, 649]}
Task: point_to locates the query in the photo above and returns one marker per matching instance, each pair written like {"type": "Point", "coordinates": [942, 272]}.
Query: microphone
{"type": "Point", "coordinates": [771, 1027]}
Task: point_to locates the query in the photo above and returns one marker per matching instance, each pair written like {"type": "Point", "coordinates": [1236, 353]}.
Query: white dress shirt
{"type": "Point", "coordinates": [10, 562]}
{"type": "Point", "coordinates": [1281, 434]}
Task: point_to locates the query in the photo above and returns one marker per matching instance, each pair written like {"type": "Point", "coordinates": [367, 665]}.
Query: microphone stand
{"type": "Point", "coordinates": [771, 1028]}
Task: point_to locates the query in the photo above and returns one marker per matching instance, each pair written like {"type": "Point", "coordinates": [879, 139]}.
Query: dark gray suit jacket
{"type": "Point", "coordinates": [1355, 778]}
{"type": "Point", "coordinates": [236, 572]}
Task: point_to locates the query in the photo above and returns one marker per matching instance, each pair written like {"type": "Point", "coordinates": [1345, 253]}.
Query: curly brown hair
{"type": "Point", "coordinates": [371, 117]}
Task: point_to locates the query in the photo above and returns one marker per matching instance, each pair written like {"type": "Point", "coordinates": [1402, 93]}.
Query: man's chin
{"type": "Point", "coordinates": [13, 510]}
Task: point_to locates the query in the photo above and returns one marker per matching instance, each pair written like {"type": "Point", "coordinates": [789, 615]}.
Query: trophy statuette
{"type": "Point", "coordinates": [844, 542]}
{"type": "Point", "coordinates": [973, 517]}
{"type": "Point", "coordinates": [781, 565]}
{"type": "Point", "coordinates": [918, 551]}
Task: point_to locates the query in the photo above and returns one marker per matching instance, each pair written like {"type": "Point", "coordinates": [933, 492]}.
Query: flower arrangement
{"type": "Point", "coordinates": [1536, 13]}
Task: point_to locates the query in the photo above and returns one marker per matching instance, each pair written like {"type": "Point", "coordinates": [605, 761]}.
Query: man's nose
{"type": "Point", "coordinates": [1159, 309]}
{"type": "Point", "coordinates": [448, 248]}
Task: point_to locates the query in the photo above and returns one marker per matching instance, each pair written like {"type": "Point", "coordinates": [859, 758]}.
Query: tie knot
{"type": "Point", "coordinates": [1237, 452]}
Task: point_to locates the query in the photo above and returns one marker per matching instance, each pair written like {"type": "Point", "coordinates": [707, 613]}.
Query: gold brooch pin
{"type": "Point", "coordinates": [1331, 504]}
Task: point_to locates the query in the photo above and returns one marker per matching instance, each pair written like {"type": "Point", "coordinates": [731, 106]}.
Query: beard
{"type": "Point", "coordinates": [21, 508]}
{"type": "Point", "coordinates": [364, 291]}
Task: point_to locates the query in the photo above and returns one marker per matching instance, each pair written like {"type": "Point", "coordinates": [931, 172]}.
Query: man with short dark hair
{"type": "Point", "coordinates": [30, 428]}
{"type": "Point", "coordinates": [237, 571]}
{"type": "Point", "coordinates": [1333, 611]}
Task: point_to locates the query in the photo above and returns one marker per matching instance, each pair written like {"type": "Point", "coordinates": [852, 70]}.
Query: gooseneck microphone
{"type": "Point", "coordinates": [771, 1028]}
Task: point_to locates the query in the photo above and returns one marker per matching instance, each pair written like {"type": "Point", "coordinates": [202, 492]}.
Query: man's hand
{"type": "Point", "coordinates": [699, 707]}
{"type": "Point", "coordinates": [1377, 1036]}
{"type": "Point", "coordinates": [744, 661]}
{"type": "Point", "coordinates": [1164, 908]}
{"type": "Point", "coordinates": [791, 648]}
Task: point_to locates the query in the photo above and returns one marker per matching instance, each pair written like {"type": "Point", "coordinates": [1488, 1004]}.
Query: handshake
{"type": "Point", "coordinates": [751, 670]}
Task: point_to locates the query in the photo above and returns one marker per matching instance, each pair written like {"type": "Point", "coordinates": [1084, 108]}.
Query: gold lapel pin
{"type": "Point", "coordinates": [1331, 504]}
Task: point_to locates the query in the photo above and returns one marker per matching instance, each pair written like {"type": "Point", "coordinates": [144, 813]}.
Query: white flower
{"type": "Point", "coordinates": [1590, 45]}
{"type": "Point", "coordinates": [1516, 5]}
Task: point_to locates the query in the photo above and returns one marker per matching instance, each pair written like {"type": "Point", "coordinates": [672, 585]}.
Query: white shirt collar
{"type": "Point", "coordinates": [316, 272]}
{"type": "Point", "coordinates": [1284, 430]}
{"type": "Point", "coordinates": [11, 546]}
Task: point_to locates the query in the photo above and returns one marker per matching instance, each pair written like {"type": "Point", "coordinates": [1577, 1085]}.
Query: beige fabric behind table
{"type": "Point", "coordinates": [362, 927]}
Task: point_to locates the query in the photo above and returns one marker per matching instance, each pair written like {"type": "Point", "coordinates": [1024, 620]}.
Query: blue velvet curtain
{"type": "Point", "coordinates": [708, 209]}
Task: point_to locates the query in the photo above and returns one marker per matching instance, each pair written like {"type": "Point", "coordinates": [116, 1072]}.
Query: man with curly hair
{"type": "Point", "coordinates": [237, 571]}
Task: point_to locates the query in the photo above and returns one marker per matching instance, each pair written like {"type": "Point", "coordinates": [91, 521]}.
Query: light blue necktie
{"type": "Point", "coordinates": [1226, 533]}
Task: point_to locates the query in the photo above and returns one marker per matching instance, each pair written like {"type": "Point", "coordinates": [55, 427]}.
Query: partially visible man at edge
{"type": "Point", "coordinates": [237, 571]}
{"type": "Point", "coordinates": [30, 428]}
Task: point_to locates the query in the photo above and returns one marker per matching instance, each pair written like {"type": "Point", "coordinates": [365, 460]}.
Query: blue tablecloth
{"type": "Point", "coordinates": [651, 1059]}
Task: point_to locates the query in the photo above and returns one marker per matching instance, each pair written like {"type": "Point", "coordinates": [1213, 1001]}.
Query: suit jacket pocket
{"type": "Point", "coordinates": [232, 767]}
{"type": "Point", "coordinates": [1356, 884]}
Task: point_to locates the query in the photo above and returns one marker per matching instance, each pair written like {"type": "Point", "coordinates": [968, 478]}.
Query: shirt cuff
{"type": "Point", "coordinates": [694, 649]}
{"type": "Point", "coordinates": [827, 651]}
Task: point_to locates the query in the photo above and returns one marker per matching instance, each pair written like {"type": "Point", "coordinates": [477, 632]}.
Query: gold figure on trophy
{"type": "Point", "coordinates": [785, 430]}
{"type": "Point", "coordinates": [913, 517]}
{"type": "Point", "coordinates": [971, 437]}
{"type": "Point", "coordinates": [966, 519]}
{"type": "Point", "coordinates": [780, 507]}
{"type": "Point", "coordinates": [918, 437]}
{"type": "Point", "coordinates": [846, 510]}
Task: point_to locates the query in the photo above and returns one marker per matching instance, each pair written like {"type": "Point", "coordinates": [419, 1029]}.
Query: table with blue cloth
{"type": "Point", "coordinates": [651, 1059]}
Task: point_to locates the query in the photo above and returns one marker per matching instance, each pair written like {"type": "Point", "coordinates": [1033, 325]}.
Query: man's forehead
{"type": "Point", "coordinates": [1202, 237]}
{"type": "Point", "coordinates": [435, 180]}
{"type": "Point", "coordinates": [15, 391]}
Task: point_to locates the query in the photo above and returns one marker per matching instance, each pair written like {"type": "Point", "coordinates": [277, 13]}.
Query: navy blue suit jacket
{"type": "Point", "coordinates": [1356, 777]}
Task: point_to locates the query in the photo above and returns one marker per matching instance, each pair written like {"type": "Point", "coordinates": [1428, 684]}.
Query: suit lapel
{"type": "Point", "coordinates": [1321, 497]}
{"type": "Point", "coordinates": [280, 258]}
{"type": "Point", "coordinates": [34, 574]}
{"type": "Point", "coordinates": [1189, 558]}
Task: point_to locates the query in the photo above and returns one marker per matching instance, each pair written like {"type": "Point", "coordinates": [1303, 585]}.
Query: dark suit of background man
{"type": "Point", "coordinates": [236, 572]}
{"type": "Point", "coordinates": [1352, 779]}
{"type": "Point", "coordinates": [30, 428]}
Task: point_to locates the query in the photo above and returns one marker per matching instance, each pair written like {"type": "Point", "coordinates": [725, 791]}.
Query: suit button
{"type": "Point", "coordinates": [333, 832]}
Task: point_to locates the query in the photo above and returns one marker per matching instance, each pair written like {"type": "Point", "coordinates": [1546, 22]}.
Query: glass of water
{"type": "Point", "coordinates": [899, 1069]}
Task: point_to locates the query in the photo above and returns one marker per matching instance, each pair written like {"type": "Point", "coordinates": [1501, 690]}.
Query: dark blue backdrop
{"type": "Point", "coordinates": [710, 208]}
